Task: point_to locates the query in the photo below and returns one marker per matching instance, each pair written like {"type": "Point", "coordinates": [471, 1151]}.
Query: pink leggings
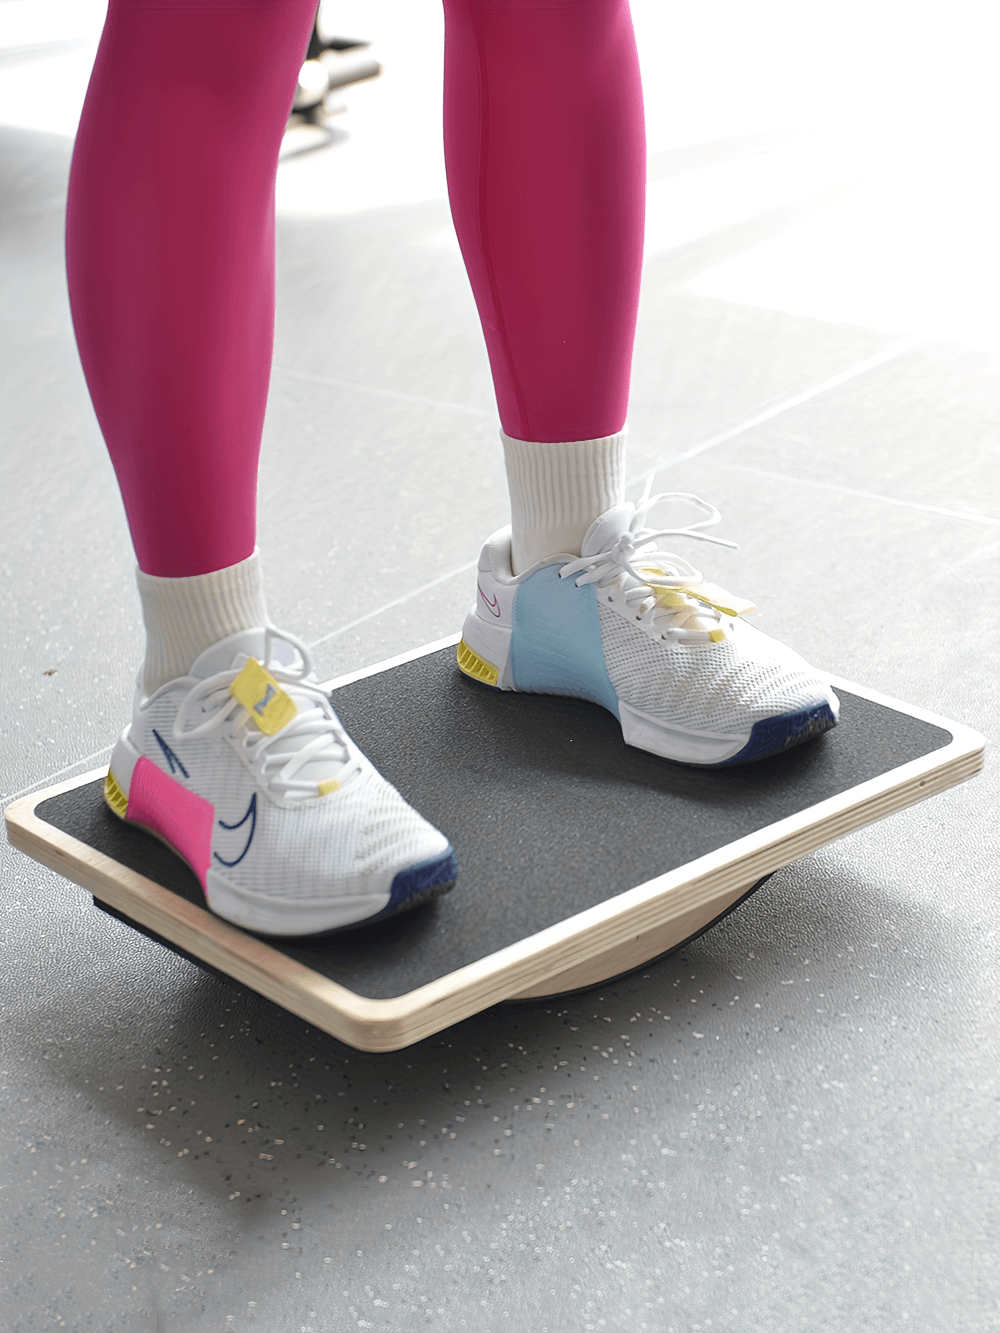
{"type": "Point", "coordinates": [170, 236]}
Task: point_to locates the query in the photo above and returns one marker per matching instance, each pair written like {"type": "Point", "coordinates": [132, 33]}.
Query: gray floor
{"type": "Point", "coordinates": [791, 1126]}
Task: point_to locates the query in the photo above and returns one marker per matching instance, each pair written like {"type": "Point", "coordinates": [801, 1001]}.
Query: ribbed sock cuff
{"type": "Point", "coordinates": [557, 490]}
{"type": "Point", "coordinates": [185, 616]}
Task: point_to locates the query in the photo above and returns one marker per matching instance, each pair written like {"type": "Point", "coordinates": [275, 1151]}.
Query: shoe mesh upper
{"type": "Point", "coordinates": [721, 687]}
{"type": "Point", "coordinates": [352, 841]}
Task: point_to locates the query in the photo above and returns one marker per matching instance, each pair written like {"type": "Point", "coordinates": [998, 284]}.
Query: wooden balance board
{"type": "Point", "coordinates": [579, 857]}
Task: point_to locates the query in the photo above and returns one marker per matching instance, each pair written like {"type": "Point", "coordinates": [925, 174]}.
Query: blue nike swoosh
{"type": "Point", "coordinates": [251, 814]}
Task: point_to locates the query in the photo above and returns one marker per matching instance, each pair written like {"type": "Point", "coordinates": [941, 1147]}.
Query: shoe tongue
{"type": "Point", "coordinates": [233, 651]}
{"type": "Point", "coordinates": [605, 531]}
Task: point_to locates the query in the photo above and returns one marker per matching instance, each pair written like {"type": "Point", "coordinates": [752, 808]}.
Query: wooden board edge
{"type": "Point", "coordinates": [609, 926]}
{"type": "Point", "coordinates": [639, 950]}
{"type": "Point", "coordinates": [383, 1025]}
{"type": "Point", "coordinates": [251, 961]}
{"type": "Point", "coordinates": [967, 737]}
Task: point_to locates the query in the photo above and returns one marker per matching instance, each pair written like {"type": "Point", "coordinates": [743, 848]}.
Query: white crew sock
{"type": "Point", "coordinates": [185, 616]}
{"type": "Point", "coordinates": [556, 492]}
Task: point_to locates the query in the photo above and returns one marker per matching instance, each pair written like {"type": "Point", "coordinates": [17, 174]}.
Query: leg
{"type": "Point", "coordinates": [170, 259]}
{"type": "Point", "coordinates": [170, 254]}
{"type": "Point", "coordinates": [234, 756]}
{"type": "Point", "coordinates": [545, 149]}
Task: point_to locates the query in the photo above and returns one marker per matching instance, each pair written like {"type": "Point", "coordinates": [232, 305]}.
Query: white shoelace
{"type": "Point", "coordinates": [313, 736]}
{"type": "Point", "coordinates": [616, 568]}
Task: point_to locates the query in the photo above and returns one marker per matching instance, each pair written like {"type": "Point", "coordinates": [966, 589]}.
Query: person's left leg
{"type": "Point", "coordinates": [545, 150]}
{"type": "Point", "coordinates": [546, 156]}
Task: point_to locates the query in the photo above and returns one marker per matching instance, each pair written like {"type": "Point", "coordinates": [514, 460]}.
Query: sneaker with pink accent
{"type": "Point", "coordinates": [243, 769]}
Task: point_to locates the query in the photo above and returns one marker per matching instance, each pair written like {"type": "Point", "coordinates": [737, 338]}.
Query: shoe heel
{"type": "Point", "coordinates": [484, 652]}
{"type": "Point", "coordinates": [476, 667]}
{"type": "Point", "coordinates": [117, 784]}
{"type": "Point", "coordinates": [114, 797]}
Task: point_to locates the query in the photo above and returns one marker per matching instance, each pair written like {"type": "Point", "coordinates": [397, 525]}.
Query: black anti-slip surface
{"type": "Point", "coordinates": [548, 810]}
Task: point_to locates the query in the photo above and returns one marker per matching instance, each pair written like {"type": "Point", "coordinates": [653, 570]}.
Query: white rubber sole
{"type": "Point", "coordinates": [289, 916]}
{"type": "Point", "coordinates": [484, 654]}
{"type": "Point", "coordinates": [686, 747]}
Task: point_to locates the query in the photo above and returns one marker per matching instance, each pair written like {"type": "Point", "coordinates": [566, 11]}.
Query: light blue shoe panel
{"type": "Point", "coordinates": [556, 644]}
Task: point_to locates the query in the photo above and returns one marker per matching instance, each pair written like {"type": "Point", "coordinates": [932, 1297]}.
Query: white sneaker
{"type": "Point", "coordinates": [243, 768]}
{"type": "Point", "coordinates": [635, 629]}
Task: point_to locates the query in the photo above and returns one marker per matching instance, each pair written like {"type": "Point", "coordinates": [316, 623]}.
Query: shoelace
{"type": "Point", "coordinates": [314, 734]}
{"type": "Point", "coordinates": [689, 620]}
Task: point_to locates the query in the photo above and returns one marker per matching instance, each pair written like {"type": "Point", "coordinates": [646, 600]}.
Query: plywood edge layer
{"type": "Point", "coordinates": [552, 959]}
{"type": "Point", "coordinates": [610, 926]}
{"type": "Point", "coordinates": [640, 948]}
{"type": "Point", "coordinates": [247, 959]}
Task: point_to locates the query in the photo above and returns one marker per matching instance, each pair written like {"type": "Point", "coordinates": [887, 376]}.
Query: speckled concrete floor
{"type": "Point", "coordinates": [790, 1126]}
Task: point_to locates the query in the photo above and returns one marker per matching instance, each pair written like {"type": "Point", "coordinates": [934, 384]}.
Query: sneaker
{"type": "Point", "coordinates": [243, 769]}
{"type": "Point", "coordinates": [635, 629]}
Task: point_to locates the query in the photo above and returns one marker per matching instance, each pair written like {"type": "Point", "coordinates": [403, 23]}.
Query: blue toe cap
{"type": "Point", "coordinates": [775, 734]}
{"type": "Point", "coordinates": [417, 879]}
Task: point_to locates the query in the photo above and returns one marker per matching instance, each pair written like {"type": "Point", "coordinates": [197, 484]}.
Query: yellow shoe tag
{"type": "Point", "coordinates": [671, 597]}
{"type": "Point", "coordinates": [263, 698]}
{"type": "Point", "coordinates": [675, 598]}
{"type": "Point", "coordinates": [726, 602]}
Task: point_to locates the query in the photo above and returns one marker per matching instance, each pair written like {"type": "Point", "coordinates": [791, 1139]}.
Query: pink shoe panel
{"type": "Point", "coordinates": [181, 817]}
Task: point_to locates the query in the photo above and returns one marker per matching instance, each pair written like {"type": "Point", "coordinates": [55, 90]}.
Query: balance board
{"type": "Point", "coordinates": [579, 857]}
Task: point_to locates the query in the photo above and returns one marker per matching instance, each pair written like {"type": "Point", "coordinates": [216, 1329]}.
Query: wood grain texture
{"type": "Point", "coordinates": [638, 950]}
{"type": "Point", "coordinates": [587, 948]}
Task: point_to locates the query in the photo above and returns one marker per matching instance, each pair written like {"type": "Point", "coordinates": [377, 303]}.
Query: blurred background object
{"type": "Point", "coordinates": [330, 63]}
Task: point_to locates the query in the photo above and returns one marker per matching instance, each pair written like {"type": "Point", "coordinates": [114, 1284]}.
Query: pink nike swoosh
{"type": "Point", "coordinates": [494, 606]}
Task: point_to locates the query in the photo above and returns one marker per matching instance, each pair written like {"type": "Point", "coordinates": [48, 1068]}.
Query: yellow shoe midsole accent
{"type": "Point", "coordinates": [475, 666]}
{"type": "Point", "coordinates": [114, 796]}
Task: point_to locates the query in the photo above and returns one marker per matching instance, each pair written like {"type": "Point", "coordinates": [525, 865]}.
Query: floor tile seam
{"type": "Point", "coordinates": [6, 797]}
{"type": "Point", "coordinates": [396, 602]}
{"type": "Point", "coordinates": [891, 353]}
{"type": "Point", "coordinates": [469, 565]}
{"type": "Point", "coordinates": [887, 354]}
{"type": "Point", "coordinates": [376, 392]}
{"type": "Point", "coordinates": [425, 587]}
{"type": "Point", "coordinates": [342, 629]}
{"type": "Point", "coordinates": [968, 516]}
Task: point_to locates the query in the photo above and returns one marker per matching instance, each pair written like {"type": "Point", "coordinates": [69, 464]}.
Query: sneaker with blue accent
{"type": "Point", "coordinates": [243, 769]}
{"type": "Point", "coordinates": [636, 629]}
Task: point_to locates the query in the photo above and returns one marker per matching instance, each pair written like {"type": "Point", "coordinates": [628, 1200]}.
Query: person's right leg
{"type": "Point", "coordinates": [170, 261]}
{"type": "Point", "coordinates": [234, 757]}
{"type": "Point", "coordinates": [546, 154]}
